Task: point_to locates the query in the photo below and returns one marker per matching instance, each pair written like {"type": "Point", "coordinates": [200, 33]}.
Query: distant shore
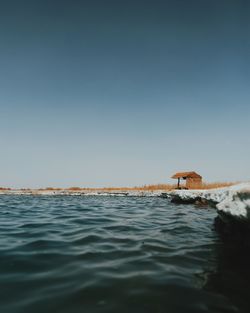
{"type": "Point", "coordinates": [140, 190]}
{"type": "Point", "coordinates": [84, 192]}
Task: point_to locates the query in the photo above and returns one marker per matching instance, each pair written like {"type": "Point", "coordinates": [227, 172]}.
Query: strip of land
{"type": "Point", "coordinates": [230, 199]}
{"type": "Point", "coordinates": [140, 190]}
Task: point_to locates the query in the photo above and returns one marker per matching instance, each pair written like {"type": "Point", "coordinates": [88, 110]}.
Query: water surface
{"type": "Point", "coordinates": [91, 254]}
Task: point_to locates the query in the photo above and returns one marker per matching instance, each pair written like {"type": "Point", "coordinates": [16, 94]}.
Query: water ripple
{"type": "Point", "coordinates": [101, 254]}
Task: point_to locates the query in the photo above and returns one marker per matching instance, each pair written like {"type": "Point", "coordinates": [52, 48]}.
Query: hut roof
{"type": "Point", "coordinates": [186, 175]}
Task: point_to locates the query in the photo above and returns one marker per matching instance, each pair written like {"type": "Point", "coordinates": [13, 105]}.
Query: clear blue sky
{"type": "Point", "coordinates": [115, 93]}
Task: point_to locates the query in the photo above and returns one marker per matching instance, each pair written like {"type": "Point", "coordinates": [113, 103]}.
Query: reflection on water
{"type": "Point", "coordinates": [231, 275]}
{"type": "Point", "coordinates": [102, 254]}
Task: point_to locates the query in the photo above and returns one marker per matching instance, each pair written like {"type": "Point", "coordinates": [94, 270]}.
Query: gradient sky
{"type": "Point", "coordinates": [114, 93]}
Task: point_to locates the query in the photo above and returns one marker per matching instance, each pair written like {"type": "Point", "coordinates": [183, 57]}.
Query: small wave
{"type": "Point", "coordinates": [104, 254]}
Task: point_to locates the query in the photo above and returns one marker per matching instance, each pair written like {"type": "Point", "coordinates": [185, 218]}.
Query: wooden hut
{"type": "Point", "coordinates": [193, 180]}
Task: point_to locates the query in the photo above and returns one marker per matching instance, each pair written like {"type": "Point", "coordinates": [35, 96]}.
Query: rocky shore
{"type": "Point", "coordinates": [233, 208]}
{"type": "Point", "coordinates": [232, 201]}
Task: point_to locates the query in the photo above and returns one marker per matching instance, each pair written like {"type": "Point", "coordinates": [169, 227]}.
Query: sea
{"type": "Point", "coordinates": [94, 254]}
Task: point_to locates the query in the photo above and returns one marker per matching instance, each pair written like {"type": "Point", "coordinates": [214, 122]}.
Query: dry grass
{"type": "Point", "coordinates": [75, 188]}
{"type": "Point", "coordinates": [217, 185]}
{"type": "Point", "coordinates": [157, 187]}
{"type": "Point", "coordinates": [165, 187]}
{"type": "Point", "coordinates": [117, 189]}
{"type": "Point", "coordinates": [50, 188]}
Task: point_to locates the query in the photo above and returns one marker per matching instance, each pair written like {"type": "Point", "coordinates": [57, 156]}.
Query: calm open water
{"type": "Point", "coordinates": [72, 254]}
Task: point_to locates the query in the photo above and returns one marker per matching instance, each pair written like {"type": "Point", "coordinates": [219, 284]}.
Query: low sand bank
{"type": "Point", "coordinates": [82, 192]}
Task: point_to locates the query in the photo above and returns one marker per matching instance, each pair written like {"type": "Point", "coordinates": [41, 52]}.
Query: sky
{"type": "Point", "coordinates": [122, 93]}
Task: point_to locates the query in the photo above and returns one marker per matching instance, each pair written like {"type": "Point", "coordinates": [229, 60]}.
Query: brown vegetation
{"type": "Point", "coordinates": [75, 188]}
{"type": "Point", "coordinates": [165, 187]}
{"type": "Point", "coordinates": [50, 188]}
{"type": "Point", "coordinates": [157, 187]}
{"type": "Point", "coordinates": [217, 185]}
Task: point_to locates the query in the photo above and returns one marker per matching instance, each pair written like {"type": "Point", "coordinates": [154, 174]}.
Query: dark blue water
{"type": "Point", "coordinates": [102, 254]}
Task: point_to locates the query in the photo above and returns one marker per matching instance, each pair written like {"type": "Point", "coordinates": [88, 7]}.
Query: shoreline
{"type": "Point", "coordinates": [233, 200]}
{"type": "Point", "coordinates": [67, 192]}
{"type": "Point", "coordinates": [231, 203]}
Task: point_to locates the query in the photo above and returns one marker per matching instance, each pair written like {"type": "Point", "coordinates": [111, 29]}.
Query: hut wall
{"type": "Point", "coordinates": [193, 183]}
